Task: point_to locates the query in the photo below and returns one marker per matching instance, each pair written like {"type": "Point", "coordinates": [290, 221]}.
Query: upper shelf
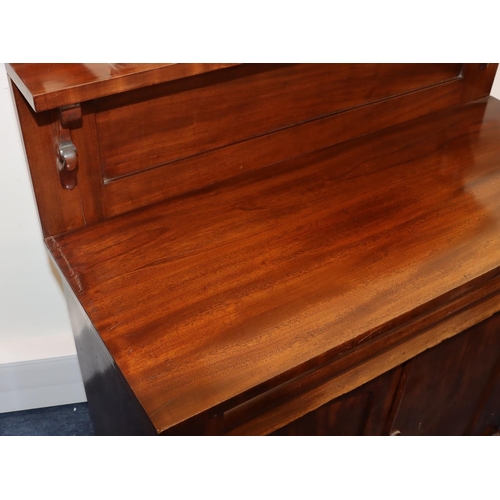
{"type": "Point", "coordinates": [48, 86]}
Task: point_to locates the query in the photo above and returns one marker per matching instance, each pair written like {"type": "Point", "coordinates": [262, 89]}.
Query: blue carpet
{"type": "Point", "coordinates": [67, 420]}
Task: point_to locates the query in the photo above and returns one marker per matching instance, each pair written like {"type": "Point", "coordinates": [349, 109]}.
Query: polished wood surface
{"type": "Point", "coordinates": [167, 137]}
{"type": "Point", "coordinates": [60, 209]}
{"type": "Point", "coordinates": [109, 396]}
{"type": "Point", "coordinates": [438, 375]}
{"type": "Point", "coordinates": [352, 367]}
{"type": "Point", "coordinates": [281, 248]}
{"type": "Point", "coordinates": [222, 108]}
{"type": "Point", "coordinates": [48, 86]}
{"type": "Point", "coordinates": [172, 179]}
{"type": "Point", "coordinates": [478, 79]}
{"type": "Point", "coordinates": [206, 297]}
{"type": "Point", "coordinates": [362, 412]}
{"type": "Point", "coordinates": [487, 420]}
{"type": "Point", "coordinates": [451, 389]}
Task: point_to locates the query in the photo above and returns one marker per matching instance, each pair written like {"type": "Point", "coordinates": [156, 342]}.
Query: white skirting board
{"type": "Point", "coordinates": [36, 384]}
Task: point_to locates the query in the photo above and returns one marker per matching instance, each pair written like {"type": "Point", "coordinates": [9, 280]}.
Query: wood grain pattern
{"type": "Point", "coordinates": [60, 210]}
{"type": "Point", "coordinates": [273, 417]}
{"type": "Point", "coordinates": [295, 234]}
{"type": "Point", "coordinates": [173, 179]}
{"type": "Point", "coordinates": [48, 86]}
{"type": "Point", "coordinates": [182, 119]}
{"type": "Point", "coordinates": [437, 375]}
{"type": "Point", "coordinates": [95, 199]}
{"type": "Point", "coordinates": [478, 80]}
{"type": "Point", "coordinates": [205, 297]}
{"type": "Point", "coordinates": [362, 412]}
{"type": "Point", "coordinates": [487, 421]}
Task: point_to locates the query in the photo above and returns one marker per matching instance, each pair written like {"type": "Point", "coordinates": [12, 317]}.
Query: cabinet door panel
{"type": "Point", "coordinates": [446, 388]}
{"type": "Point", "coordinates": [487, 421]}
{"type": "Point", "coordinates": [363, 411]}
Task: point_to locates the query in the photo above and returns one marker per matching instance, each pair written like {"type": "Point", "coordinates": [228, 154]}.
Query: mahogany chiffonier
{"type": "Point", "coordinates": [274, 248]}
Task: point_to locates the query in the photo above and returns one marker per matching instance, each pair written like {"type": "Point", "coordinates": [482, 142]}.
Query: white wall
{"type": "Point", "coordinates": [34, 322]}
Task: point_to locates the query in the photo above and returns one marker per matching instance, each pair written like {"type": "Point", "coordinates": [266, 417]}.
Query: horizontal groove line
{"type": "Point", "coordinates": [277, 130]}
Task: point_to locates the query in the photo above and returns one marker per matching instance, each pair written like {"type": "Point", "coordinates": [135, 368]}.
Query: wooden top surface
{"type": "Point", "coordinates": [48, 86]}
{"type": "Point", "coordinates": [208, 295]}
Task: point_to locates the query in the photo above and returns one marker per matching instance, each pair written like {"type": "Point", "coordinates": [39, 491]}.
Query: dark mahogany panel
{"type": "Point", "coordinates": [188, 117]}
{"type": "Point", "coordinates": [113, 407]}
{"type": "Point", "coordinates": [487, 421]}
{"type": "Point", "coordinates": [172, 179]}
{"type": "Point", "coordinates": [445, 387]}
{"type": "Point", "coordinates": [364, 411]}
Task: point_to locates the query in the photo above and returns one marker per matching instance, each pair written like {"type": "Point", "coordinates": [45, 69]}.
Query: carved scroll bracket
{"type": "Point", "coordinates": [66, 154]}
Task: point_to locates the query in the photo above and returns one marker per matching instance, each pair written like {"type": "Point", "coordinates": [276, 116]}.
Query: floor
{"type": "Point", "coordinates": [67, 420]}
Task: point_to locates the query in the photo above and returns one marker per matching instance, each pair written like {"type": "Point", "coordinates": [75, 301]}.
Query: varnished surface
{"type": "Point", "coordinates": [362, 412]}
{"type": "Point", "coordinates": [163, 140]}
{"type": "Point", "coordinates": [179, 177]}
{"type": "Point", "coordinates": [446, 388]}
{"type": "Point", "coordinates": [113, 407]}
{"type": "Point", "coordinates": [141, 130]}
{"type": "Point", "coordinates": [478, 79]}
{"type": "Point", "coordinates": [47, 86]}
{"type": "Point", "coordinates": [487, 421]}
{"type": "Point", "coordinates": [61, 210]}
{"type": "Point", "coordinates": [204, 297]}
{"type": "Point", "coordinates": [351, 366]}
{"type": "Point", "coordinates": [39, 133]}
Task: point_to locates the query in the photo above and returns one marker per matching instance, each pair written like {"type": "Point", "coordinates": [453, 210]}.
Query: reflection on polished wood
{"type": "Point", "coordinates": [418, 411]}
{"type": "Point", "coordinates": [283, 248]}
{"type": "Point", "coordinates": [305, 259]}
{"type": "Point", "coordinates": [51, 85]}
